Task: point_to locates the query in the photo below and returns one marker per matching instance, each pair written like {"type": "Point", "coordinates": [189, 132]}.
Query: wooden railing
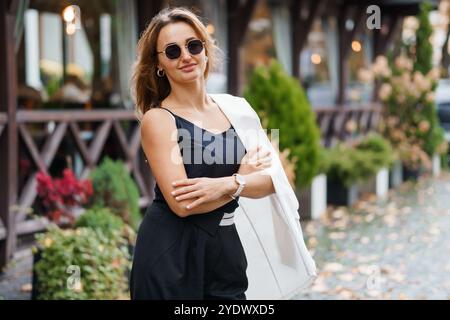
{"type": "Point", "coordinates": [342, 123]}
{"type": "Point", "coordinates": [55, 126]}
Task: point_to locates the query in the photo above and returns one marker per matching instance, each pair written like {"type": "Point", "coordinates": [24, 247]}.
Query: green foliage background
{"type": "Point", "coordinates": [282, 104]}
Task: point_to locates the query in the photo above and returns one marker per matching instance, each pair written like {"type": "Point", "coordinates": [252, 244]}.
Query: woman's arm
{"type": "Point", "coordinates": [159, 142]}
{"type": "Point", "coordinates": [257, 185]}
{"type": "Point", "coordinates": [200, 191]}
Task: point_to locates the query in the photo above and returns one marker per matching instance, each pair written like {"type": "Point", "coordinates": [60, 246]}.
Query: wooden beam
{"type": "Point", "coordinates": [76, 134]}
{"type": "Point", "coordinates": [8, 139]}
{"type": "Point", "coordinates": [381, 40]}
{"type": "Point", "coordinates": [98, 144]}
{"type": "Point", "coordinates": [346, 37]}
{"type": "Point", "coordinates": [46, 156]}
{"type": "Point", "coordinates": [146, 11]}
{"type": "Point", "coordinates": [13, 6]}
{"type": "Point", "coordinates": [239, 15]}
{"type": "Point", "coordinates": [70, 115]}
{"type": "Point", "coordinates": [34, 152]}
{"type": "Point", "coordinates": [300, 29]}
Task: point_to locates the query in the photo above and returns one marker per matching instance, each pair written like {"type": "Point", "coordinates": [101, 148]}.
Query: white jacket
{"type": "Point", "coordinates": [279, 264]}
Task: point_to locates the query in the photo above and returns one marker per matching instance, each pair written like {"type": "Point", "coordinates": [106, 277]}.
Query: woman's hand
{"type": "Point", "coordinates": [256, 159]}
{"type": "Point", "coordinates": [202, 189]}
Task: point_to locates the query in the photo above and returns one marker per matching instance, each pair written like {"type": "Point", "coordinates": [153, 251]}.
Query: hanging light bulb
{"type": "Point", "coordinates": [69, 14]}
{"type": "Point", "coordinates": [71, 28]}
{"type": "Point", "coordinates": [72, 16]}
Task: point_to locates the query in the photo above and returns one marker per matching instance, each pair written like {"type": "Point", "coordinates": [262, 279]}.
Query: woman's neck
{"type": "Point", "coordinates": [191, 96]}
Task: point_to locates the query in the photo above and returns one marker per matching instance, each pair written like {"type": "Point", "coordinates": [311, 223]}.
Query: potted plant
{"type": "Point", "coordinates": [282, 104]}
{"type": "Point", "coordinates": [81, 263]}
{"type": "Point", "coordinates": [105, 220]}
{"type": "Point", "coordinates": [407, 86]}
{"type": "Point", "coordinates": [395, 173]}
{"type": "Point", "coordinates": [407, 90]}
{"type": "Point", "coordinates": [61, 199]}
{"type": "Point", "coordinates": [338, 163]}
{"type": "Point", "coordinates": [381, 157]}
{"type": "Point", "coordinates": [349, 165]}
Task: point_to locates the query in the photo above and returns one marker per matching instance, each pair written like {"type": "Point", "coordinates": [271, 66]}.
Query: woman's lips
{"type": "Point", "coordinates": [188, 68]}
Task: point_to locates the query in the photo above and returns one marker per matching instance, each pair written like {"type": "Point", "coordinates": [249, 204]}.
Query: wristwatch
{"type": "Point", "coordinates": [240, 180]}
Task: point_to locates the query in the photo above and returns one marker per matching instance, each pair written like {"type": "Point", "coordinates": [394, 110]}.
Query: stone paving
{"type": "Point", "coordinates": [395, 249]}
{"type": "Point", "coordinates": [15, 282]}
{"type": "Point", "coordinates": [399, 249]}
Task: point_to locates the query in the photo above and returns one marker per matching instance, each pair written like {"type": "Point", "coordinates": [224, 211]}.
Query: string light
{"type": "Point", "coordinates": [69, 14]}
{"type": "Point", "coordinates": [72, 17]}
{"type": "Point", "coordinates": [356, 46]}
{"type": "Point", "coordinates": [316, 58]}
{"type": "Point", "coordinates": [210, 28]}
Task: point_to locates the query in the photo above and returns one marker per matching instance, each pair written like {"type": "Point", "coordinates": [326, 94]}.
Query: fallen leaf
{"type": "Point", "coordinates": [402, 296]}
{"type": "Point", "coordinates": [393, 236]}
{"type": "Point", "coordinates": [373, 293]}
{"type": "Point", "coordinates": [337, 235]}
{"type": "Point", "coordinates": [26, 287]}
{"type": "Point", "coordinates": [365, 240]}
{"type": "Point", "coordinates": [347, 293]}
{"type": "Point", "coordinates": [346, 277]}
{"type": "Point", "coordinates": [319, 285]}
{"type": "Point", "coordinates": [390, 220]}
{"type": "Point", "coordinates": [369, 218]}
{"type": "Point", "coordinates": [337, 214]}
{"type": "Point", "coordinates": [434, 231]}
{"type": "Point", "coordinates": [312, 242]}
{"type": "Point", "coordinates": [333, 267]}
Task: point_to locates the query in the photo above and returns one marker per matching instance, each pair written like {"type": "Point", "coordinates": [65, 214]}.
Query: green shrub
{"type": "Point", "coordinates": [103, 263]}
{"type": "Point", "coordinates": [282, 104]}
{"type": "Point", "coordinates": [352, 164]}
{"type": "Point", "coordinates": [100, 218]}
{"type": "Point", "coordinates": [114, 188]}
{"type": "Point", "coordinates": [105, 220]}
{"type": "Point", "coordinates": [382, 151]}
{"type": "Point", "coordinates": [424, 49]}
{"type": "Point", "coordinates": [339, 164]}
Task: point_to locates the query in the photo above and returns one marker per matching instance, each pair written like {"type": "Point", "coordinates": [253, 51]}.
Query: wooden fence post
{"type": "Point", "coordinates": [8, 138]}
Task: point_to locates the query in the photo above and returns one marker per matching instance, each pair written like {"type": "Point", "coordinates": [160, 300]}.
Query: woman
{"type": "Point", "coordinates": [187, 245]}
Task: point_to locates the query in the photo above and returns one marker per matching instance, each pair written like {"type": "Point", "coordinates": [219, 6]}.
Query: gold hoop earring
{"type": "Point", "coordinates": [160, 73]}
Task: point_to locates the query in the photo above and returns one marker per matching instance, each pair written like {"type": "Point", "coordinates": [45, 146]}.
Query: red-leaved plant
{"type": "Point", "coordinates": [58, 195]}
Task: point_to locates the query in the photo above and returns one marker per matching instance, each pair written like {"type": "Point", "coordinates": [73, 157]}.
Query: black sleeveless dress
{"type": "Point", "coordinates": [192, 257]}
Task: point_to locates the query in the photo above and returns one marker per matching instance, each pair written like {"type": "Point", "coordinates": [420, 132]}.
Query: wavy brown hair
{"type": "Point", "coordinates": [148, 89]}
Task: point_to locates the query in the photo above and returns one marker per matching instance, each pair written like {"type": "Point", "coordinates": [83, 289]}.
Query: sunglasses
{"type": "Point", "coordinates": [173, 51]}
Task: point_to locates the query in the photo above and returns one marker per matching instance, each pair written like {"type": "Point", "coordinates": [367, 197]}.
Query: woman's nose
{"type": "Point", "coordinates": [185, 55]}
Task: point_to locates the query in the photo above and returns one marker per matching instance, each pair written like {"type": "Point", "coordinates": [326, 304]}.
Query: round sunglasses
{"type": "Point", "coordinates": [173, 51]}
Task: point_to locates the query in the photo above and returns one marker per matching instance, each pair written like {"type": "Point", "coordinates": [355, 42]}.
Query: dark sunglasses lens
{"type": "Point", "coordinates": [195, 46]}
{"type": "Point", "coordinates": [173, 51]}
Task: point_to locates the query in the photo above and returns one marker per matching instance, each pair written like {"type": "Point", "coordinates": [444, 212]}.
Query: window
{"type": "Point", "coordinates": [77, 65]}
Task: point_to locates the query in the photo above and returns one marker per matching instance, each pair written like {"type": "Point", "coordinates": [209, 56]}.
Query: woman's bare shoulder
{"type": "Point", "coordinates": [157, 122]}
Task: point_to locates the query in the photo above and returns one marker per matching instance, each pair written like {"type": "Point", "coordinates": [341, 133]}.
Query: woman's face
{"type": "Point", "coordinates": [187, 67]}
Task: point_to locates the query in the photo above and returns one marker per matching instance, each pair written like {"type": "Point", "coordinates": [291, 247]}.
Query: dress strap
{"type": "Point", "coordinates": [169, 111]}
{"type": "Point", "coordinates": [173, 114]}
